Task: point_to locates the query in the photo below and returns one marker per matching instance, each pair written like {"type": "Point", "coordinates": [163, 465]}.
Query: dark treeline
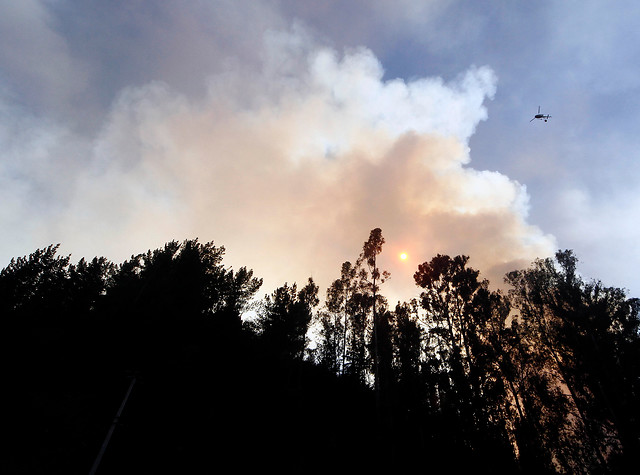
{"type": "Point", "coordinates": [540, 378]}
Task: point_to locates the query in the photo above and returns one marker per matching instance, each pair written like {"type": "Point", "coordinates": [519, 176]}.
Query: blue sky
{"type": "Point", "coordinates": [286, 130]}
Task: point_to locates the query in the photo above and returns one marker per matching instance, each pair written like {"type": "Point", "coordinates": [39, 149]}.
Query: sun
{"type": "Point", "coordinates": [403, 256]}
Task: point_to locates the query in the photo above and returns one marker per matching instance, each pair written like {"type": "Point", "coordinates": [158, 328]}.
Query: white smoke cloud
{"type": "Point", "coordinates": [291, 166]}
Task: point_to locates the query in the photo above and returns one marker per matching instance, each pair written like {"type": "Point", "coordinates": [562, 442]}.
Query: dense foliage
{"type": "Point", "coordinates": [541, 378]}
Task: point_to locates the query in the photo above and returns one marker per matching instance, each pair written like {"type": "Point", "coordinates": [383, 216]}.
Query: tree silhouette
{"type": "Point", "coordinates": [340, 305]}
{"type": "Point", "coordinates": [462, 315]}
{"type": "Point", "coordinates": [407, 342]}
{"type": "Point", "coordinates": [284, 319]}
{"type": "Point", "coordinates": [35, 286]}
{"type": "Point", "coordinates": [543, 379]}
{"type": "Point", "coordinates": [371, 277]}
{"type": "Point", "coordinates": [581, 334]}
{"type": "Point", "coordinates": [447, 297]}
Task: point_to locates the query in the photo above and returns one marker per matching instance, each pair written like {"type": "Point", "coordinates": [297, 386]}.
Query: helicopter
{"type": "Point", "coordinates": [540, 116]}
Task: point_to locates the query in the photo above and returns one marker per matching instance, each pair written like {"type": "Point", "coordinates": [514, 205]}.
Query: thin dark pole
{"type": "Point", "coordinates": [111, 429]}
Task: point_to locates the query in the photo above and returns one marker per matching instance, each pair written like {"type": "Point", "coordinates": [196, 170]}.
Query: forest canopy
{"type": "Point", "coordinates": [539, 378]}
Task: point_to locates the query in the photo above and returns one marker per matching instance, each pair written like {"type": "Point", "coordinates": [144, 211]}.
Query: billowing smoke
{"type": "Point", "coordinates": [289, 167]}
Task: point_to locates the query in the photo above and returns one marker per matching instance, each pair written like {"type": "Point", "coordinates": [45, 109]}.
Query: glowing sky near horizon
{"type": "Point", "coordinates": [266, 127]}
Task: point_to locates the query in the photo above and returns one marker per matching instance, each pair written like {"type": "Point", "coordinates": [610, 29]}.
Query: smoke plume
{"type": "Point", "coordinates": [289, 166]}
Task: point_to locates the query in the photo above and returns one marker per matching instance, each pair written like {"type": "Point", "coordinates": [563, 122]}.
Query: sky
{"type": "Point", "coordinates": [286, 130]}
